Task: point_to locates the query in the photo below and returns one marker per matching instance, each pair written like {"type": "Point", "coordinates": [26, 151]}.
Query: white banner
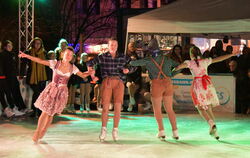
{"type": "Point", "coordinates": [224, 85]}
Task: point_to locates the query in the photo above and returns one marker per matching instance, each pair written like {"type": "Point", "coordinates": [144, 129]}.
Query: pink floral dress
{"type": "Point", "coordinates": [202, 90]}
{"type": "Point", "coordinates": [54, 97]}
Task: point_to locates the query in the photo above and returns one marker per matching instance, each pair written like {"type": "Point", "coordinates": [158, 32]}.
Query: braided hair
{"type": "Point", "coordinates": [196, 54]}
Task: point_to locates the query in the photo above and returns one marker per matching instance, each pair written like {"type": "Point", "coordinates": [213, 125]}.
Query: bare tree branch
{"type": "Point", "coordinates": [66, 21]}
{"type": "Point", "coordinates": [95, 31]}
{"type": "Point", "coordinates": [90, 24]}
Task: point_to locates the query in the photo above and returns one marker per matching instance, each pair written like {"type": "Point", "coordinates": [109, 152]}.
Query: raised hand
{"type": "Point", "coordinates": [34, 59]}
{"type": "Point", "coordinates": [22, 55]}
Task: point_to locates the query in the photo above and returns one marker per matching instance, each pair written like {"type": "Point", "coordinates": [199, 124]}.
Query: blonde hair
{"type": "Point", "coordinates": [84, 54]}
{"type": "Point", "coordinates": [62, 40]}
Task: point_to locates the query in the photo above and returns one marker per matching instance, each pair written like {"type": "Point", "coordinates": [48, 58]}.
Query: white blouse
{"type": "Point", "coordinates": [52, 64]}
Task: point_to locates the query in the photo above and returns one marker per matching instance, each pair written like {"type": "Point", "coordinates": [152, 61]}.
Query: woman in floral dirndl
{"type": "Point", "coordinates": [54, 97]}
{"type": "Point", "coordinates": [202, 90]}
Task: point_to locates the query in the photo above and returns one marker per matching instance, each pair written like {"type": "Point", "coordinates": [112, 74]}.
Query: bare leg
{"type": "Point", "coordinates": [203, 113]}
{"type": "Point", "coordinates": [213, 129]}
{"type": "Point", "coordinates": [46, 126]}
{"type": "Point", "coordinates": [157, 103]}
{"type": "Point", "coordinates": [210, 112]}
{"type": "Point", "coordinates": [41, 123]}
{"type": "Point", "coordinates": [209, 120]}
{"type": "Point", "coordinates": [105, 111]}
{"type": "Point", "coordinates": [168, 104]}
{"type": "Point", "coordinates": [117, 110]}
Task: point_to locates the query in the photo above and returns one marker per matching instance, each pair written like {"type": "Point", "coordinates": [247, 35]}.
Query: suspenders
{"type": "Point", "coordinates": [160, 67]}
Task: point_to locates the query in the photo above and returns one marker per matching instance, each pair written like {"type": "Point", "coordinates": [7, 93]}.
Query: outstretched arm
{"type": "Point", "coordinates": [181, 66]}
{"type": "Point", "coordinates": [83, 74]}
{"type": "Point", "coordinates": [223, 57]}
{"type": "Point", "coordinates": [91, 73]}
{"type": "Point", "coordinates": [35, 59]}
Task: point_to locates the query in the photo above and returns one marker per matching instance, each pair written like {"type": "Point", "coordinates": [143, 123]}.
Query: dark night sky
{"type": "Point", "coordinates": [9, 8]}
{"type": "Point", "coordinates": [9, 19]}
{"type": "Point", "coordinates": [47, 21]}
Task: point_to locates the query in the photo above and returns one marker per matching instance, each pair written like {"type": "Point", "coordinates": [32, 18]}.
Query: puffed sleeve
{"type": "Point", "coordinates": [75, 69]}
{"type": "Point", "coordinates": [188, 62]}
{"type": "Point", "coordinates": [52, 64]}
{"type": "Point", "coordinates": [208, 61]}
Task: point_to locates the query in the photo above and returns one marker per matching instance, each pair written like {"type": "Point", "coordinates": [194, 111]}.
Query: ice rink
{"type": "Point", "coordinates": [76, 136]}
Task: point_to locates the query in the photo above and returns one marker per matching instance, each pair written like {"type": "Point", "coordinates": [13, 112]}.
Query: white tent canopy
{"type": "Point", "coordinates": [197, 17]}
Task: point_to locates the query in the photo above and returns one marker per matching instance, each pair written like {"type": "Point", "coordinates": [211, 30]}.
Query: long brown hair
{"type": "Point", "coordinates": [71, 49]}
{"type": "Point", "coordinates": [174, 56]}
{"type": "Point", "coordinates": [32, 44]}
{"type": "Point", "coordinates": [195, 52]}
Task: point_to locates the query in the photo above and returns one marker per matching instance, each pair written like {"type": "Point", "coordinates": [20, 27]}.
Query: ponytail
{"type": "Point", "coordinates": [197, 62]}
{"type": "Point", "coordinates": [195, 52]}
